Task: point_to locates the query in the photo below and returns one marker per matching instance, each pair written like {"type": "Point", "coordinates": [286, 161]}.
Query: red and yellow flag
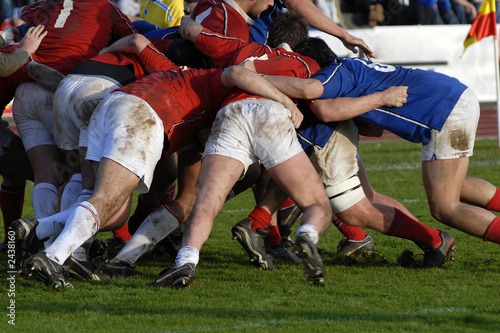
{"type": "Point", "coordinates": [484, 25]}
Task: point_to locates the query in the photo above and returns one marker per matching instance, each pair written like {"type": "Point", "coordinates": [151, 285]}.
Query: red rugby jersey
{"type": "Point", "coordinates": [77, 30]}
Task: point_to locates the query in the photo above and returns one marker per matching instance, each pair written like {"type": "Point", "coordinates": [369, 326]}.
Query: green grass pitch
{"type": "Point", "coordinates": [376, 294]}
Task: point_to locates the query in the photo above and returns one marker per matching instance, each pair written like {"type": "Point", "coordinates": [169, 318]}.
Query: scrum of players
{"type": "Point", "coordinates": [105, 107]}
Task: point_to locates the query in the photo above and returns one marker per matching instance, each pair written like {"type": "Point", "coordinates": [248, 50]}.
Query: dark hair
{"type": "Point", "coordinates": [288, 27]}
{"type": "Point", "coordinates": [317, 49]}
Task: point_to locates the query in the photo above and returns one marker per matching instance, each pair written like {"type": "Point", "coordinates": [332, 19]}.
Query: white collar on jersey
{"type": "Point", "coordinates": [239, 10]}
{"type": "Point", "coordinates": [286, 47]}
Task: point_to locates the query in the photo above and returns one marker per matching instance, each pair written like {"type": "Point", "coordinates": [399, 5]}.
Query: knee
{"type": "Point", "coordinates": [441, 211]}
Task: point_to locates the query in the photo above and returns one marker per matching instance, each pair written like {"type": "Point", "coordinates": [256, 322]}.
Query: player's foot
{"type": "Point", "coordinates": [281, 253]}
{"type": "Point", "coordinates": [253, 243]}
{"type": "Point", "coordinates": [435, 258]}
{"type": "Point", "coordinates": [286, 219]}
{"type": "Point", "coordinates": [98, 250]}
{"type": "Point", "coordinates": [118, 269]}
{"type": "Point", "coordinates": [170, 245]}
{"type": "Point", "coordinates": [83, 270]}
{"type": "Point", "coordinates": [347, 247]}
{"type": "Point", "coordinates": [175, 277]}
{"type": "Point", "coordinates": [47, 271]}
{"type": "Point", "coordinates": [114, 246]}
{"type": "Point", "coordinates": [287, 242]}
{"type": "Point", "coordinates": [27, 242]}
{"type": "Point", "coordinates": [313, 265]}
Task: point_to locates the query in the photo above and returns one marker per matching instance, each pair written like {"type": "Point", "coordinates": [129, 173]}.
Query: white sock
{"type": "Point", "coordinates": [45, 200]}
{"type": "Point", "coordinates": [54, 224]}
{"type": "Point", "coordinates": [187, 254]}
{"type": "Point", "coordinates": [158, 225]}
{"type": "Point", "coordinates": [81, 225]}
{"type": "Point", "coordinates": [49, 241]}
{"type": "Point", "coordinates": [71, 191]}
{"type": "Point", "coordinates": [310, 230]}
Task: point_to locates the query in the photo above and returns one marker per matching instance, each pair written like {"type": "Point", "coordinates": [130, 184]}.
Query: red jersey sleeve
{"type": "Point", "coordinates": [219, 48]}
{"type": "Point", "coordinates": [154, 61]}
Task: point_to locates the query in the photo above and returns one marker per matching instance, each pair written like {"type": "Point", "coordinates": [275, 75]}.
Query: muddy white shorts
{"type": "Point", "coordinates": [456, 138]}
{"type": "Point", "coordinates": [125, 129]}
{"type": "Point", "coordinates": [337, 166]}
{"type": "Point", "coordinates": [74, 102]}
{"type": "Point", "coordinates": [32, 111]}
{"type": "Point", "coordinates": [254, 129]}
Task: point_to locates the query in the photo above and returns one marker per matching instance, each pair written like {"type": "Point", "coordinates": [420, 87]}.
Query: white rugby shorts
{"type": "Point", "coordinates": [125, 129]}
{"type": "Point", "coordinates": [456, 138]}
{"type": "Point", "coordinates": [337, 166]}
{"type": "Point", "coordinates": [337, 161]}
{"type": "Point", "coordinates": [74, 102]}
{"type": "Point", "coordinates": [254, 129]}
{"type": "Point", "coordinates": [32, 111]}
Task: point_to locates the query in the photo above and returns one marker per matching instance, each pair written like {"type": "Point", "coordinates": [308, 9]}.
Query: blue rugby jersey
{"type": "Point", "coordinates": [431, 96]}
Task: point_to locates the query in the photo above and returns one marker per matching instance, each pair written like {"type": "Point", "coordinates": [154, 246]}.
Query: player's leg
{"type": "Point", "coordinates": [445, 160]}
{"type": "Point", "coordinates": [126, 162]}
{"type": "Point", "coordinates": [479, 192]}
{"type": "Point", "coordinates": [375, 196]}
{"type": "Point", "coordinates": [162, 221]}
{"type": "Point", "coordinates": [32, 112]}
{"type": "Point", "coordinates": [443, 181]}
{"type": "Point", "coordinates": [298, 178]}
{"type": "Point", "coordinates": [217, 176]}
{"type": "Point", "coordinates": [15, 169]}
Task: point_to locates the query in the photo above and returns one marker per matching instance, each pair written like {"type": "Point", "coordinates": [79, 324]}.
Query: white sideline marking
{"type": "Point", "coordinates": [418, 165]}
{"type": "Point", "coordinates": [279, 323]}
{"type": "Point", "coordinates": [235, 210]}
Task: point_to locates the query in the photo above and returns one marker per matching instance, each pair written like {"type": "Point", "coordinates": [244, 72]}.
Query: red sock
{"type": "Point", "coordinates": [122, 233]}
{"type": "Point", "coordinates": [493, 232]}
{"type": "Point", "coordinates": [169, 195]}
{"type": "Point", "coordinates": [287, 203]}
{"type": "Point", "coordinates": [494, 203]}
{"type": "Point", "coordinates": [260, 218]}
{"type": "Point", "coordinates": [352, 233]}
{"type": "Point", "coordinates": [404, 226]}
{"type": "Point", "coordinates": [274, 236]}
{"type": "Point", "coordinates": [11, 204]}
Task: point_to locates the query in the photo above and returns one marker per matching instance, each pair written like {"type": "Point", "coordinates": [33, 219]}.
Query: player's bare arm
{"type": "Point", "coordinates": [134, 43]}
{"type": "Point", "coordinates": [297, 87]}
{"type": "Point", "coordinates": [344, 108]}
{"type": "Point", "coordinates": [254, 83]}
{"type": "Point", "coordinates": [316, 19]}
{"type": "Point", "coordinates": [189, 29]}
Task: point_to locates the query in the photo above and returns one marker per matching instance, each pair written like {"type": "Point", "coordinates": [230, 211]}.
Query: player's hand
{"type": "Point", "coordinates": [297, 116]}
{"type": "Point", "coordinates": [351, 42]}
{"type": "Point", "coordinates": [33, 38]}
{"type": "Point", "coordinates": [395, 96]}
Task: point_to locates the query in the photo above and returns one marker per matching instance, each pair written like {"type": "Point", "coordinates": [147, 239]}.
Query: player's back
{"type": "Point", "coordinates": [78, 30]}
{"type": "Point", "coordinates": [431, 95]}
{"type": "Point", "coordinates": [221, 17]}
